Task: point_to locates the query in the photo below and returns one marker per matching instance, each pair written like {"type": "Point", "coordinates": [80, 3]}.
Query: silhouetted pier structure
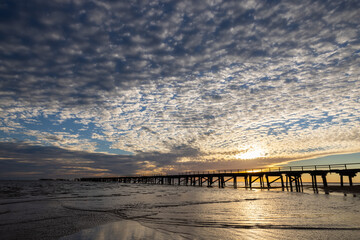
{"type": "Point", "coordinates": [289, 177]}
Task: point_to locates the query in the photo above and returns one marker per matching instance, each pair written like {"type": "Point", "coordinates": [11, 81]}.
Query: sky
{"type": "Point", "coordinates": [106, 88]}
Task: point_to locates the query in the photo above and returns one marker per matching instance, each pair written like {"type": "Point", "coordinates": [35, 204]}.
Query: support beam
{"type": "Point", "coordinates": [210, 181]}
{"type": "Point", "coordinates": [324, 180]}
{"type": "Point", "coordinates": [314, 183]}
{"type": "Point", "coordinates": [341, 180]}
{"type": "Point", "coordinates": [350, 180]}
{"type": "Point", "coordinates": [290, 182]}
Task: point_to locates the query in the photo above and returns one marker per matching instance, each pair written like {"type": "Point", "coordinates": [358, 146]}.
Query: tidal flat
{"type": "Point", "coordinates": [90, 210]}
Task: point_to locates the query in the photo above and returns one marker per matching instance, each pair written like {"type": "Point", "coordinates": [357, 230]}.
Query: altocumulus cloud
{"type": "Point", "coordinates": [136, 86]}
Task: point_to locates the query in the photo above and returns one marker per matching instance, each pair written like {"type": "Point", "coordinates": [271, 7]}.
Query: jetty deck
{"type": "Point", "coordinates": [289, 177]}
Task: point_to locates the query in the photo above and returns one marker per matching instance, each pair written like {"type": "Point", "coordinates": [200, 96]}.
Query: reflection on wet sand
{"type": "Point", "coordinates": [125, 230]}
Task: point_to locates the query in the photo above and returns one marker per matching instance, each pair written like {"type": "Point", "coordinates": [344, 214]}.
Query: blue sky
{"type": "Point", "coordinates": [126, 87]}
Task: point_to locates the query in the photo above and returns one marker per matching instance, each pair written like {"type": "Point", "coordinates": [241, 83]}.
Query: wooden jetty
{"type": "Point", "coordinates": [289, 177]}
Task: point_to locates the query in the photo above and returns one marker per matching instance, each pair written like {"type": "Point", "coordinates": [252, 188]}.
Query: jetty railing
{"type": "Point", "coordinates": [330, 167]}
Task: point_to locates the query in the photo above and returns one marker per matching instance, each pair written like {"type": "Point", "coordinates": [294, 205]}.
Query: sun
{"type": "Point", "coordinates": [252, 153]}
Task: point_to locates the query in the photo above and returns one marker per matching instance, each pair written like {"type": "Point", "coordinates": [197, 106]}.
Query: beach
{"type": "Point", "coordinates": [88, 210]}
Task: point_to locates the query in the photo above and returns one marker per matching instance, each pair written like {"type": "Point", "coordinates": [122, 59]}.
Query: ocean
{"type": "Point", "coordinates": [108, 210]}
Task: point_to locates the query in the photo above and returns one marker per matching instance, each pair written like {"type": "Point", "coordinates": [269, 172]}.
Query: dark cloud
{"type": "Point", "coordinates": [23, 160]}
{"type": "Point", "coordinates": [68, 51]}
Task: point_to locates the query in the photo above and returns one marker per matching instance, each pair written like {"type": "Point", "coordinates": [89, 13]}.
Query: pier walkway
{"type": "Point", "coordinates": [289, 177]}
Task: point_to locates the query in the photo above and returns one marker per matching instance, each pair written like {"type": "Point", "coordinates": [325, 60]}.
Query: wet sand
{"type": "Point", "coordinates": [44, 220]}
{"type": "Point", "coordinates": [113, 211]}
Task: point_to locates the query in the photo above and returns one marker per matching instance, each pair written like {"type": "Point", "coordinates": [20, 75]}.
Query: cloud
{"type": "Point", "coordinates": [55, 162]}
{"type": "Point", "coordinates": [220, 77]}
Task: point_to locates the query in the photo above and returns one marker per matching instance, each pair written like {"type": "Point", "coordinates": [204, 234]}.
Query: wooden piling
{"type": "Point", "coordinates": [324, 180]}
{"type": "Point", "coordinates": [350, 180]}
{"type": "Point", "coordinates": [282, 182]}
{"type": "Point", "coordinates": [210, 181]}
{"type": "Point", "coordinates": [341, 180]}
{"type": "Point", "coordinates": [267, 180]}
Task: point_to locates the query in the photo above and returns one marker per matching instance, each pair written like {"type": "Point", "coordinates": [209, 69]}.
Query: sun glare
{"type": "Point", "coordinates": [251, 154]}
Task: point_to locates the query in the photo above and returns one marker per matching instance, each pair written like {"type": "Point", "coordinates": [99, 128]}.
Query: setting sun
{"type": "Point", "coordinates": [251, 154]}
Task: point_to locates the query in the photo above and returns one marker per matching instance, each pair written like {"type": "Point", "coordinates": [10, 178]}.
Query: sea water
{"type": "Point", "coordinates": [90, 210]}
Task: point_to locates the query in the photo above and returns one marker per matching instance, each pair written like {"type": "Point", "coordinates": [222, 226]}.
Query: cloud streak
{"type": "Point", "coordinates": [214, 79]}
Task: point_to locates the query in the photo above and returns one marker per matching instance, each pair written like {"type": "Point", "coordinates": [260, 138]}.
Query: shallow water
{"type": "Point", "coordinates": [136, 211]}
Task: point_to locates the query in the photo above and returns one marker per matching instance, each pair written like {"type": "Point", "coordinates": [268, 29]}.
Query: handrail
{"type": "Point", "coordinates": [330, 167]}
